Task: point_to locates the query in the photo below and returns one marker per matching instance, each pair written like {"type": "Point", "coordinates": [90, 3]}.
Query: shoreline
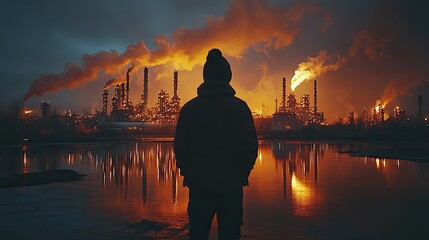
{"type": "Point", "coordinates": [39, 178]}
{"type": "Point", "coordinates": [415, 155]}
{"type": "Point", "coordinates": [418, 154]}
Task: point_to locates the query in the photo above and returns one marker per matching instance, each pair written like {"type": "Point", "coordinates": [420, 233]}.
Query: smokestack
{"type": "Point", "coordinates": [145, 95]}
{"type": "Point", "coordinates": [315, 96]}
{"type": "Point", "coordinates": [116, 100]}
{"type": "Point", "coordinates": [122, 95]}
{"type": "Point", "coordinates": [420, 108]}
{"type": "Point", "coordinates": [105, 97]}
{"type": "Point", "coordinates": [127, 88]}
{"type": "Point", "coordinates": [46, 109]}
{"type": "Point", "coordinates": [382, 114]}
{"type": "Point", "coordinates": [175, 100]}
{"type": "Point", "coordinates": [175, 82]}
{"type": "Point", "coordinates": [145, 86]}
{"type": "Point", "coordinates": [117, 91]}
{"type": "Point", "coordinates": [283, 107]}
{"type": "Point", "coordinates": [276, 106]}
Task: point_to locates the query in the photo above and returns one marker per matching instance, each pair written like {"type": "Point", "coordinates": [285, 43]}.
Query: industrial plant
{"type": "Point", "coordinates": [293, 114]}
{"type": "Point", "coordinates": [292, 117]}
{"type": "Point", "coordinates": [123, 114]}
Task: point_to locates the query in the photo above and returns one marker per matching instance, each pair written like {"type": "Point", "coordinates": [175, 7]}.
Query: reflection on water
{"type": "Point", "coordinates": [302, 196]}
{"type": "Point", "coordinates": [299, 190]}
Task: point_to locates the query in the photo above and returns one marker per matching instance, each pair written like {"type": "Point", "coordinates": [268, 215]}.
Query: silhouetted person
{"type": "Point", "coordinates": [216, 147]}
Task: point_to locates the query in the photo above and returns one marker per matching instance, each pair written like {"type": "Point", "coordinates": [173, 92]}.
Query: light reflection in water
{"type": "Point", "coordinates": [302, 196]}
{"type": "Point", "coordinates": [299, 171]}
{"type": "Point", "coordinates": [377, 162]}
{"type": "Point", "coordinates": [24, 160]}
{"type": "Point", "coordinates": [306, 180]}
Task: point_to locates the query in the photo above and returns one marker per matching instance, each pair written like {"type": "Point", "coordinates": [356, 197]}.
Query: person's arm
{"type": "Point", "coordinates": [181, 143]}
{"type": "Point", "coordinates": [250, 145]}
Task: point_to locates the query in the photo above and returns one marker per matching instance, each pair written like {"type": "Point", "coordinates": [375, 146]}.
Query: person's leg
{"type": "Point", "coordinates": [201, 210]}
{"type": "Point", "coordinates": [230, 215]}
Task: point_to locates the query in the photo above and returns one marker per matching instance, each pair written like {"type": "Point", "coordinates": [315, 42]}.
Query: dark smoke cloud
{"type": "Point", "coordinates": [395, 47]}
{"type": "Point", "coordinates": [245, 24]}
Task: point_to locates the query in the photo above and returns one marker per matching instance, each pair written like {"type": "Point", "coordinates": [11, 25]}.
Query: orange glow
{"type": "Point", "coordinates": [26, 112]}
{"type": "Point", "coordinates": [24, 159]}
{"type": "Point", "coordinates": [377, 163]}
{"type": "Point", "coordinates": [302, 196]}
{"type": "Point", "coordinates": [381, 105]}
{"type": "Point", "coordinates": [187, 48]}
{"type": "Point", "coordinates": [377, 108]}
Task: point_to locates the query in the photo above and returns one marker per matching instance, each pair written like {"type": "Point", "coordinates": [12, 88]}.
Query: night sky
{"type": "Point", "coordinates": [65, 51]}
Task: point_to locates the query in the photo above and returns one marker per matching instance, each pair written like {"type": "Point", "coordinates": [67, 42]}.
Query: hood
{"type": "Point", "coordinates": [215, 89]}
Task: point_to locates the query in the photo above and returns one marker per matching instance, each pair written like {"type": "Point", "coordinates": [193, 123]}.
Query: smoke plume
{"type": "Point", "coordinates": [245, 24]}
{"type": "Point", "coordinates": [316, 66]}
{"type": "Point", "coordinates": [393, 42]}
{"type": "Point", "coordinates": [113, 81]}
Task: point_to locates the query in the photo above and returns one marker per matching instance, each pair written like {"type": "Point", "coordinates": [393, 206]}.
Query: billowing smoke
{"type": "Point", "coordinates": [316, 66]}
{"type": "Point", "coordinates": [396, 47]}
{"type": "Point", "coordinates": [245, 24]}
{"type": "Point", "coordinates": [129, 70]}
{"type": "Point", "coordinates": [113, 81]}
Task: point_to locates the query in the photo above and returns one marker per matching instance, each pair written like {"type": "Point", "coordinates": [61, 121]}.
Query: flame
{"type": "Point", "coordinates": [316, 66]}
{"type": "Point", "coordinates": [26, 112]}
{"type": "Point", "coordinates": [380, 104]}
{"type": "Point", "coordinates": [188, 47]}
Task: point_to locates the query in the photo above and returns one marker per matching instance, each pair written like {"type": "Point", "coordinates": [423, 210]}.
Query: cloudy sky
{"type": "Point", "coordinates": [359, 51]}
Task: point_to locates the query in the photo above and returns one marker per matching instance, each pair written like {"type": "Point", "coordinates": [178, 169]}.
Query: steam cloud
{"type": "Point", "coordinates": [316, 66]}
{"type": "Point", "coordinates": [245, 24]}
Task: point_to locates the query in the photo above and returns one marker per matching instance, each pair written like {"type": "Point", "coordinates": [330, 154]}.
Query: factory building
{"type": "Point", "coordinates": [293, 115]}
{"type": "Point", "coordinates": [162, 105]}
{"type": "Point", "coordinates": [304, 105]}
{"type": "Point", "coordinates": [285, 117]}
{"type": "Point", "coordinates": [399, 114]}
{"type": "Point", "coordinates": [168, 110]}
{"type": "Point", "coordinates": [291, 104]}
{"type": "Point", "coordinates": [45, 107]}
{"type": "Point", "coordinates": [122, 109]}
{"type": "Point", "coordinates": [105, 101]}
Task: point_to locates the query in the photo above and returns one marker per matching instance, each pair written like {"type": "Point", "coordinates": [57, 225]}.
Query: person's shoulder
{"type": "Point", "coordinates": [240, 102]}
{"type": "Point", "coordinates": [190, 104]}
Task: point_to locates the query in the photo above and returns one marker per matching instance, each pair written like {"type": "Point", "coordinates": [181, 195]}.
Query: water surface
{"type": "Point", "coordinates": [298, 190]}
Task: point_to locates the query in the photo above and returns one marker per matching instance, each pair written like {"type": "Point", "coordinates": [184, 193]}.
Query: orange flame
{"type": "Point", "coordinates": [316, 66]}
{"type": "Point", "coordinates": [380, 104]}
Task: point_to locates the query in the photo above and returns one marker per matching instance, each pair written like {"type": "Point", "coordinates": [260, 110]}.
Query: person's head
{"type": "Point", "coordinates": [216, 69]}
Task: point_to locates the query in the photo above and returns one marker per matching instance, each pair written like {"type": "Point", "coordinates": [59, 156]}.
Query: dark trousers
{"type": "Point", "coordinates": [228, 207]}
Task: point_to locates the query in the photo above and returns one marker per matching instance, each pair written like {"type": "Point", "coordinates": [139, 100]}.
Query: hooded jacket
{"type": "Point", "coordinates": [215, 142]}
